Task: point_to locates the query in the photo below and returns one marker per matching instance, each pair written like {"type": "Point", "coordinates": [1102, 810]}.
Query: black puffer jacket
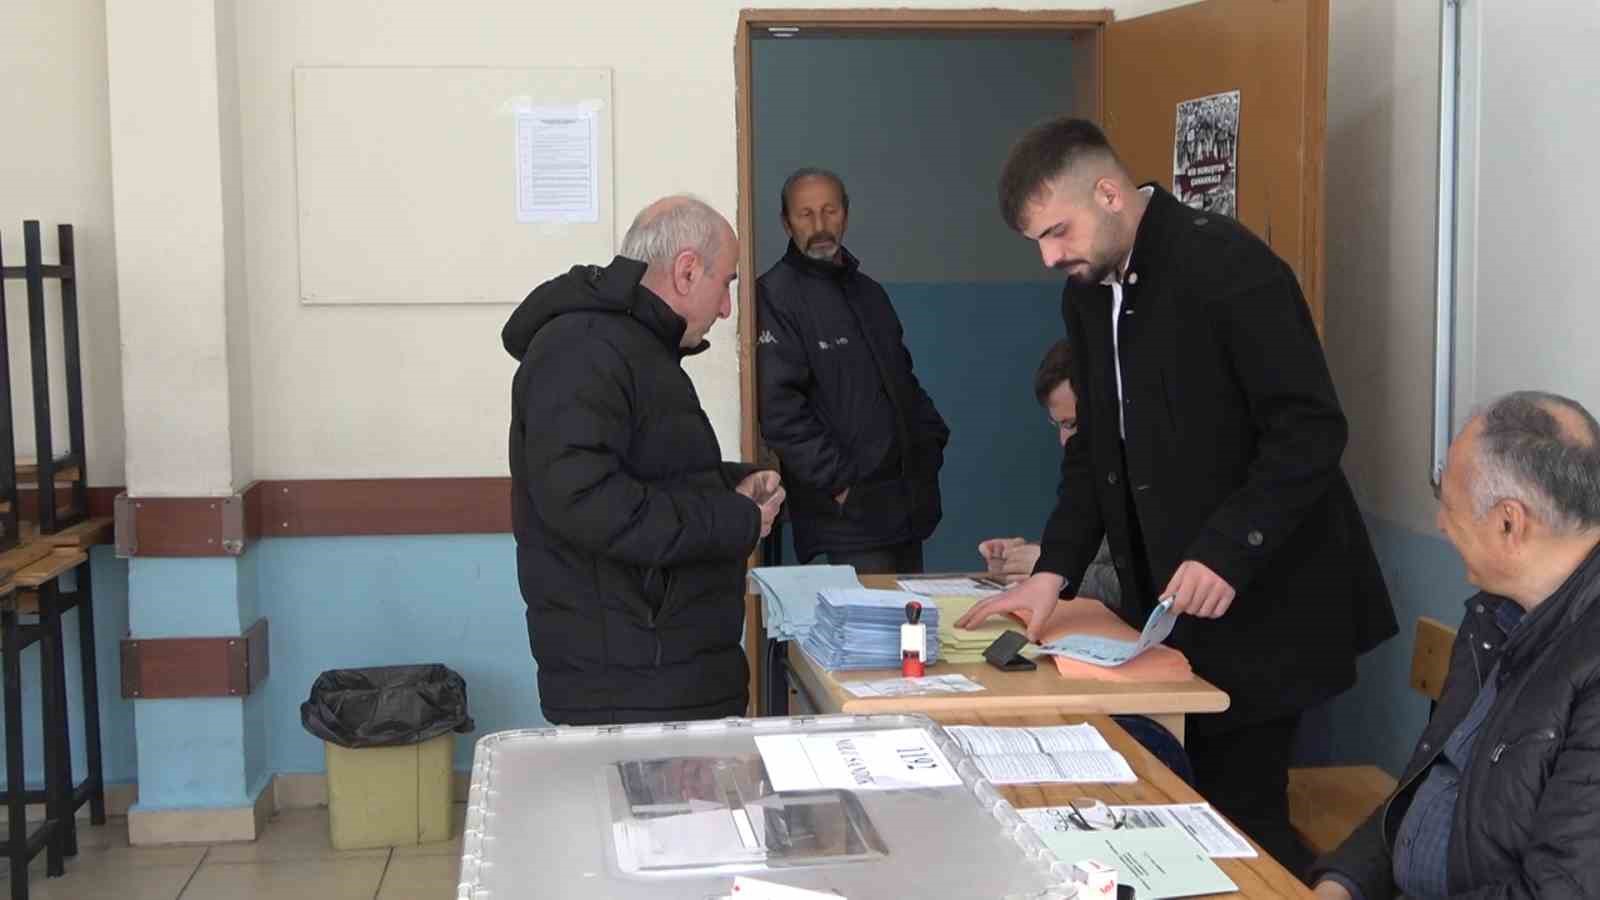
{"type": "Point", "coordinates": [1527, 821]}
{"type": "Point", "coordinates": [842, 408]}
{"type": "Point", "coordinates": [631, 542]}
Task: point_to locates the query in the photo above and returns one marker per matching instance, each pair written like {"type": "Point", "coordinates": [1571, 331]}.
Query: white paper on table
{"type": "Point", "coordinates": [904, 687]}
{"type": "Point", "coordinates": [896, 759]}
{"type": "Point", "coordinates": [946, 587]}
{"type": "Point", "coordinates": [558, 164]}
{"type": "Point", "coordinates": [980, 740]}
{"type": "Point", "coordinates": [1209, 830]}
{"type": "Point", "coordinates": [1082, 767]}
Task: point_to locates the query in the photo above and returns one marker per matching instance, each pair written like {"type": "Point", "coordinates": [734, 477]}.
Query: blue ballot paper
{"type": "Point", "coordinates": [1108, 652]}
{"type": "Point", "coordinates": [789, 596]}
{"type": "Point", "coordinates": [860, 629]}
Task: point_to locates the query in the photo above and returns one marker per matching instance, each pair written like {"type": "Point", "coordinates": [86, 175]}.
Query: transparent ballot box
{"type": "Point", "coordinates": [675, 811]}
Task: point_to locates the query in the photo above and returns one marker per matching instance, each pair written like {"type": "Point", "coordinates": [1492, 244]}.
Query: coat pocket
{"type": "Point", "coordinates": [1522, 741]}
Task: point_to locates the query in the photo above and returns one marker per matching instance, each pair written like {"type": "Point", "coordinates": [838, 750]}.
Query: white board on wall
{"type": "Point", "coordinates": [407, 182]}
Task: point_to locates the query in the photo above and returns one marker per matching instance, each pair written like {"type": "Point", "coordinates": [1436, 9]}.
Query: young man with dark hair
{"type": "Point", "coordinates": [1207, 455]}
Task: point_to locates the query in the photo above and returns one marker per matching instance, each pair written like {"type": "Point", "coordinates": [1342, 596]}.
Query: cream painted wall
{"type": "Point", "coordinates": [416, 391]}
{"type": "Point", "coordinates": [55, 166]}
{"type": "Point", "coordinates": [1383, 97]}
{"type": "Point", "coordinates": [1529, 316]}
{"type": "Point", "coordinates": [168, 120]}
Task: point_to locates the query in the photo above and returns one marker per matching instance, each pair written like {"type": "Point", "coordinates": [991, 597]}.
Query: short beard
{"type": "Point", "coordinates": [811, 248]}
{"type": "Point", "coordinates": [1091, 276]}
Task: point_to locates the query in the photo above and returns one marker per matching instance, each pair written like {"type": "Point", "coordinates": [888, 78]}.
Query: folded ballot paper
{"type": "Point", "coordinates": [789, 595]}
{"type": "Point", "coordinates": [1102, 651]}
{"type": "Point", "coordinates": [858, 628]}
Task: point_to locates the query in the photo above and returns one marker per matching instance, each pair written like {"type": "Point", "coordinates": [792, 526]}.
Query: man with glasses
{"type": "Point", "coordinates": [1014, 558]}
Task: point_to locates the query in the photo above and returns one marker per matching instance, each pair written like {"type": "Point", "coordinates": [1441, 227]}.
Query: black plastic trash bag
{"type": "Point", "coordinates": [386, 706]}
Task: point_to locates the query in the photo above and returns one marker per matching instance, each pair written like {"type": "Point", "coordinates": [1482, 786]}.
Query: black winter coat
{"type": "Point", "coordinates": [842, 408]}
{"type": "Point", "coordinates": [1234, 435]}
{"type": "Point", "coordinates": [631, 542]}
{"type": "Point", "coordinates": [1527, 820]}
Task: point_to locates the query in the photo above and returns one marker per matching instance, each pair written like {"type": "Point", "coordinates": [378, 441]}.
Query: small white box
{"type": "Point", "coordinates": [1095, 880]}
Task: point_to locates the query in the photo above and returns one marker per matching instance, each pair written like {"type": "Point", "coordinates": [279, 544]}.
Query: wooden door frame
{"type": "Point", "coordinates": [1088, 82]}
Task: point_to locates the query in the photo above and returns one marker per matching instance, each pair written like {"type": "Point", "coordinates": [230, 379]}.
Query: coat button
{"type": "Point", "coordinates": [1480, 607]}
{"type": "Point", "coordinates": [1111, 478]}
{"type": "Point", "coordinates": [1120, 562]}
{"type": "Point", "coordinates": [1255, 539]}
{"type": "Point", "coordinates": [1133, 277]}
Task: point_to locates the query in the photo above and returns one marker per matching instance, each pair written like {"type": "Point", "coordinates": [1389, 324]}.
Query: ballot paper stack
{"type": "Point", "coordinates": [958, 645]}
{"type": "Point", "coordinates": [789, 595]}
{"type": "Point", "coordinates": [857, 628]}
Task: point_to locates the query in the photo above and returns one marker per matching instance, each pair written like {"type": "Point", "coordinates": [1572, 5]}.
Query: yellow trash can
{"type": "Point", "coordinates": [389, 796]}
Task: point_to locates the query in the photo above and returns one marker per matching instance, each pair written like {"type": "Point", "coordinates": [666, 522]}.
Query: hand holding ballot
{"type": "Point", "coordinates": [1198, 591]}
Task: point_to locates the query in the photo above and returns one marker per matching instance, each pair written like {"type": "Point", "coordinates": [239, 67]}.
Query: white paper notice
{"type": "Point", "coordinates": [899, 759]}
{"type": "Point", "coordinates": [981, 741]}
{"type": "Point", "coordinates": [558, 164]}
{"type": "Point", "coordinates": [1088, 767]}
{"type": "Point", "coordinates": [1062, 754]}
{"type": "Point", "coordinates": [910, 687]}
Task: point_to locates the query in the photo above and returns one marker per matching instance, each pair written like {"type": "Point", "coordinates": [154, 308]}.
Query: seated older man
{"type": "Point", "coordinates": [1501, 797]}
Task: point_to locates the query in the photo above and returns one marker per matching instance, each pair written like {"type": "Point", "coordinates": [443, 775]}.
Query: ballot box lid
{"type": "Point", "coordinates": [674, 811]}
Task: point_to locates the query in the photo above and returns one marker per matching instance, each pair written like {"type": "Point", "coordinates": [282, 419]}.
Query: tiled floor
{"type": "Point", "coordinates": [291, 861]}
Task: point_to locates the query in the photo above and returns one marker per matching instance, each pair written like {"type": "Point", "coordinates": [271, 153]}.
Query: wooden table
{"type": "Point", "coordinates": [1016, 693]}
{"type": "Point", "coordinates": [1040, 691]}
{"type": "Point", "coordinates": [1259, 877]}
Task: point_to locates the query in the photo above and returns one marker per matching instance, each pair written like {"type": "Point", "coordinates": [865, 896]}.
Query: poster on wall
{"type": "Point", "coordinates": [1205, 154]}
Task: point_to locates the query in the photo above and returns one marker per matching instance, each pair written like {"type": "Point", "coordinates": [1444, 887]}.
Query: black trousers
{"type": "Point", "coordinates": [900, 559]}
{"type": "Point", "coordinates": [1244, 773]}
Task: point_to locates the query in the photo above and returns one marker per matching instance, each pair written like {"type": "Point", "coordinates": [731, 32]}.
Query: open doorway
{"type": "Point", "coordinates": [951, 89]}
{"type": "Point", "coordinates": [917, 121]}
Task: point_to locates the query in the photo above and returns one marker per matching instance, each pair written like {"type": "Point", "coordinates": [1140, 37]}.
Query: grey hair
{"type": "Point", "coordinates": [666, 228]}
{"type": "Point", "coordinates": [1525, 453]}
{"type": "Point", "coordinates": [799, 175]}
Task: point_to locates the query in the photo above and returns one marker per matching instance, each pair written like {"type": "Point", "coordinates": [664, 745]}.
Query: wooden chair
{"type": "Point", "coordinates": [1327, 803]}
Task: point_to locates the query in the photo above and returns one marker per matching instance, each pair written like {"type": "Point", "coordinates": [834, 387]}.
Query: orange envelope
{"type": "Point", "coordinates": [1083, 615]}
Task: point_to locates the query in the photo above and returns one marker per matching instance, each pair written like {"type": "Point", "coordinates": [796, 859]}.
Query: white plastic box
{"type": "Point", "coordinates": [557, 813]}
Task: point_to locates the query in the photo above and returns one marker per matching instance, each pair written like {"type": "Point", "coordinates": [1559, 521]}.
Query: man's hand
{"type": "Point", "coordinates": [842, 496]}
{"type": "Point", "coordinates": [994, 550]}
{"type": "Point", "coordinates": [1013, 558]}
{"type": "Point", "coordinates": [757, 485]}
{"type": "Point", "coordinates": [1198, 591]}
{"type": "Point", "coordinates": [769, 510]}
{"type": "Point", "coordinates": [1331, 890]}
{"type": "Point", "coordinates": [765, 489]}
{"type": "Point", "coordinates": [1038, 594]}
